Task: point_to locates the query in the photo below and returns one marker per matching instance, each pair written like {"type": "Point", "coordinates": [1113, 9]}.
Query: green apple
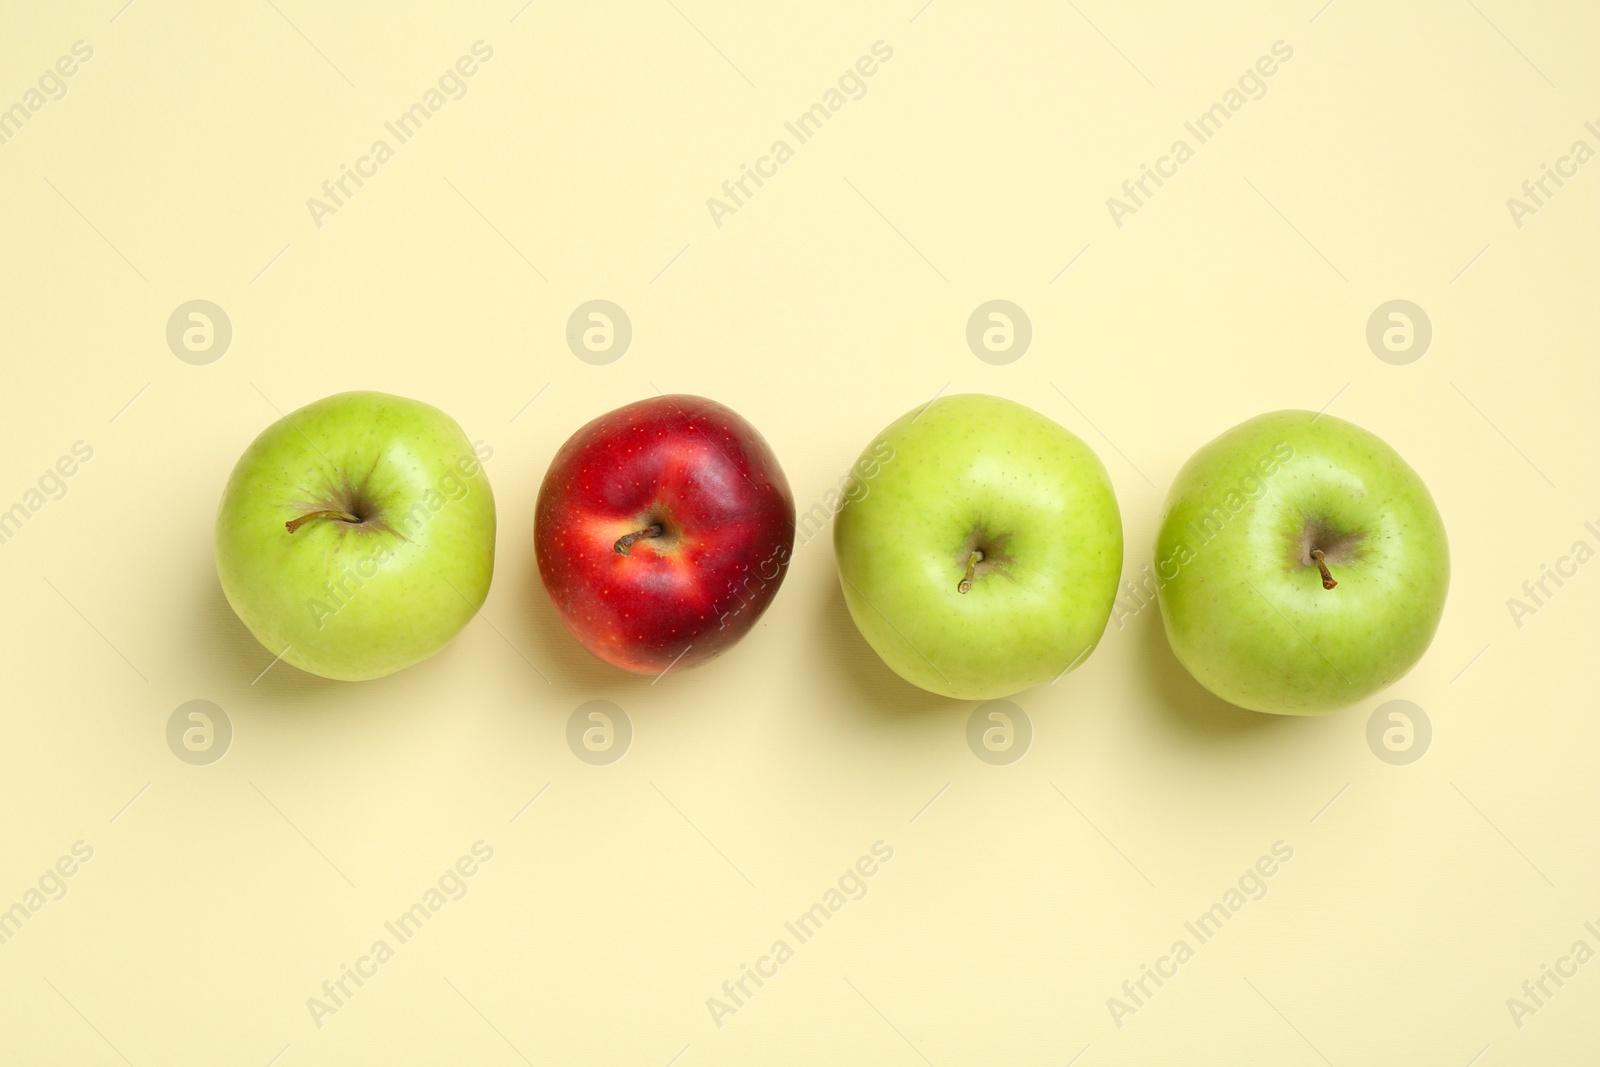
{"type": "Point", "coordinates": [356, 535]}
{"type": "Point", "coordinates": [979, 547]}
{"type": "Point", "coordinates": [1301, 565]}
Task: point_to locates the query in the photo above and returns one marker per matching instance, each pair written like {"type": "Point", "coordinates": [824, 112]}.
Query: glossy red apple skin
{"type": "Point", "coordinates": [712, 482]}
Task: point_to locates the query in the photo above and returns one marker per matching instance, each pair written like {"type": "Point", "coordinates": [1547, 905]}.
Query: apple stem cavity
{"type": "Point", "coordinates": [343, 516]}
{"type": "Point", "coordinates": [625, 542]}
{"type": "Point", "coordinates": [972, 567]}
{"type": "Point", "coordinates": [1327, 579]}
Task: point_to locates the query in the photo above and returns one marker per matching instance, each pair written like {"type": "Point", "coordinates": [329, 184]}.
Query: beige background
{"type": "Point", "coordinates": [977, 166]}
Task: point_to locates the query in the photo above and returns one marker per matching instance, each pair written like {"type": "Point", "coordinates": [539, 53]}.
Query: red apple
{"type": "Point", "coordinates": [663, 531]}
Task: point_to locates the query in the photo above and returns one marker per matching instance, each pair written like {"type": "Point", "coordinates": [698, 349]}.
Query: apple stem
{"type": "Point", "coordinates": [1327, 579]}
{"type": "Point", "coordinates": [294, 524]}
{"type": "Point", "coordinates": [625, 542]}
{"type": "Point", "coordinates": [972, 566]}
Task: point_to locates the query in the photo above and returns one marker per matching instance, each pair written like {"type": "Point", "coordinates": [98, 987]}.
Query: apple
{"type": "Point", "coordinates": [356, 535]}
{"type": "Point", "coordinates": [979, 547]}
{"type": "Point", "coordinates": [663, 531]}
{"type": "Point", "coordinates": [1301, 565]}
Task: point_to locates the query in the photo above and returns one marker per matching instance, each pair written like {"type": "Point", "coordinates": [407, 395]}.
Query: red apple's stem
{"type": "Point", "coordinates": [972, 567]}
{"type": "Point", "coordinates": [625, 542]}
{"type": "Point", "coordinates": [294, 524]}
{"type": "Point", "coordinates": [1327, 579]}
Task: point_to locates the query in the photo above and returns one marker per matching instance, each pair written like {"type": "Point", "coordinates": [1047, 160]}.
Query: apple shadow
{"type": "Point", "coordinates": [880, 690]}
{"type": "Point", "coordinates": [1187, 706]}
{"type": "Point", "coordinates": [243, 664]}
{"type": "Point", "coordinates": [237, 664]}
{"type": "Point", "coordinates": [568, 665]}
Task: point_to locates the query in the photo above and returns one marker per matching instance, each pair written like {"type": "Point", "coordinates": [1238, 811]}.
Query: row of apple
{"type": "Point", "coordinates": [1301, 564]}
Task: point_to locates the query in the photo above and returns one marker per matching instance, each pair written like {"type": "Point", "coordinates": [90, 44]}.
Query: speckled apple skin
{"type": "Point", "coordinates": [676, 601]}
{"type": "Point", "coordinates": [960, 463]}
{"type": "Point", "coordinates": [350, 601]}
{"type": "Point", "coordinates": [1243, 604]}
